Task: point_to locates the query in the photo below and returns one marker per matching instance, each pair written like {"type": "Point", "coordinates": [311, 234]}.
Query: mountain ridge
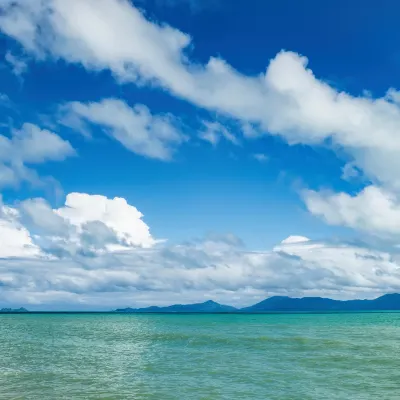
{"type": "Point", "coordinates": [206, 307]}
{"type": "Point", "coordinates": [387, 302]}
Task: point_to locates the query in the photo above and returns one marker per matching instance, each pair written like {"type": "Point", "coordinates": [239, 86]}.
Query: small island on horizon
{"type": "Point", "coordinates": [13, 310]}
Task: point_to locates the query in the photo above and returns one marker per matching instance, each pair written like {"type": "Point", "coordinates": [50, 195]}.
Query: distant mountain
{"type": "Point", "coordinates": [13, 310]}
{"type": "Point", "coordinates": [206, 307]}
{"type": "Point", "coordinates": [281, 304]}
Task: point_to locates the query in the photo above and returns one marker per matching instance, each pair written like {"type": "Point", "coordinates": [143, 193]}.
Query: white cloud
{"type": "Point", "coordinates": [295, 239]}
{"type": "Point", "coordinates": [15, 240]}
{"type": "Point", "coordinates": [34, 145]}
{"type": "Point", "coordinates": [212, 132]}
{"type": "Point", "coordinates": [373, 210]}
{"type": "Point", "coordinates": [154, 136]}
{"type": "Point", "coordinates": [287, 99]}
{"type": "Point", "coordinates": [29, 145]}
{"type": "Point", "coordinates": [87, 224]}
{"type": "Point", "coordinates": [40, 216]}
{"type": "Point", "coordinates": [351, 268]}
{"type": "Point", "coordinates": [125, 220]}
{"type": "Point", "coordinates": [18, 65]}
{"type": "Point", "coordinates": [350, 172]}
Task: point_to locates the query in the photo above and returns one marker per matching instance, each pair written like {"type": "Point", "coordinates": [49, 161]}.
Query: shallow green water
{"type": "Point", "coordinates": [103, 356]}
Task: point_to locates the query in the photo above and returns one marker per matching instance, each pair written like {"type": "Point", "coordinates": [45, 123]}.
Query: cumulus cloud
{"type": "Point", "coordinates": [153, 136]}
{"type": "Point", "coordinates": [29, 145]}
{"type": "Point", "coordinates": [287, 99]}
{"type": "Point", "coordinates": [86, 225]}
{"type": "Point", "coordinates": [125, 220]}
{"type": "Point", "coordinates": [374, 210]}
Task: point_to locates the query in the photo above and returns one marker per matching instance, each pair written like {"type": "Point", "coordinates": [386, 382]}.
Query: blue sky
{"type": "Point", "coordinates": [242, 136]}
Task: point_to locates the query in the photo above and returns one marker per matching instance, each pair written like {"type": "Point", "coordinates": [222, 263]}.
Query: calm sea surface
{"type": "Point", "coordinates": [286, 356]}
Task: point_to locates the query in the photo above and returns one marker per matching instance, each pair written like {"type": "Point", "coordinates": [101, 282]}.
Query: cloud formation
{"type": "Point", "coordinates": [18, 65]}
{"type": "Point", "coordinates": [15, 240]}
{"type": "Point", "coordinates": [29, 145]}
{"type": "Point", "coordinates": [153, 136]}
{"type": "Point", "coordinates": [212, 132]}
{"type": "Point", "coordinates": [287, 99]}
{"type": "Point", "coordinates": [98, 252]}
{"type": "Point", "coordinates": [373, 210]}
{"type": "Point", "coordinates": [87, 225]}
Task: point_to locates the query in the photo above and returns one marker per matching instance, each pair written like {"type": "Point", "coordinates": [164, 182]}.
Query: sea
{"type": "Point", "coordinates": [347, 356]}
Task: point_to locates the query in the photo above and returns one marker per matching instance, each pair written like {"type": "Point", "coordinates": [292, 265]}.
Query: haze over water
{"type": "Point", "coordinates": [280, 356]}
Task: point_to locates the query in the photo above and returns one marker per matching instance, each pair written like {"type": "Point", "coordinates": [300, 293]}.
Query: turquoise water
{"type": "Point", "coordinates": [106, 356]}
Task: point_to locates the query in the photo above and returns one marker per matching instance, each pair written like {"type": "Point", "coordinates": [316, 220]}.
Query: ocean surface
{"type": "Point", "coordinates": [266, 357]}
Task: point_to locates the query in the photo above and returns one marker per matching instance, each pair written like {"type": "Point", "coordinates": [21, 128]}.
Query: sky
{"type": "Point", "coordinates": [173, 151]}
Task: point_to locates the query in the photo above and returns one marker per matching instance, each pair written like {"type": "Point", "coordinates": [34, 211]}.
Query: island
{"type": "Point", "coordinates": [13, 310]}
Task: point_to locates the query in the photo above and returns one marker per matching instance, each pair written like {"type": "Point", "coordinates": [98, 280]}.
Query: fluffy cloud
{"type": "Point", "coordinates": [287, 99]}
{"type": "Point", "coordinates": [29, 145]}
{"type": "Point", "coordinates": [125, 220]}
{"type": "Point", "coordinates": [87, 224]}
{"type": "Point", "coordinates": [15, 240]}
{"type": "Point", "coordinates": [135, 128]}
{"type": "Point", "coordinates": [373, 210]}
{"type": "Point", "coordinates": [33, 145]}
{"type": "Point", "coordinates": [351, 268]}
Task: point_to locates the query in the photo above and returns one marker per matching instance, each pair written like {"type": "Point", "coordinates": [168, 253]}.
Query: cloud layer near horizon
{"type": "Point", "coordinates": [94, 246]}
